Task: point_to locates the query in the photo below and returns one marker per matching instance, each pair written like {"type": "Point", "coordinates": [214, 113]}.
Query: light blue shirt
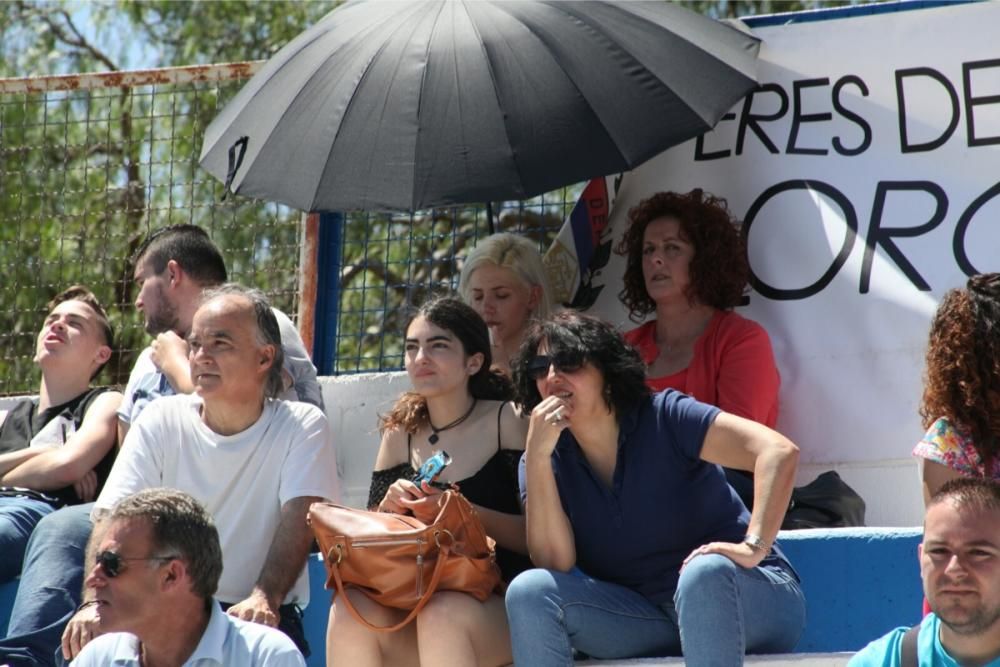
{"type": "Point", "coordinates": [227, 641]}
{"type": "Point", "coordinates": [885, 652]}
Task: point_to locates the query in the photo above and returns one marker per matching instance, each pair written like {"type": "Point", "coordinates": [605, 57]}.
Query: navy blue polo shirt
{"type": "Point", "coordinates": [664, 502]}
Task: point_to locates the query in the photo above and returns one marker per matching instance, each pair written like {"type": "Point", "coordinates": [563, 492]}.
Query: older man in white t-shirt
{"type": "Point", "coordinates": [255, 462]}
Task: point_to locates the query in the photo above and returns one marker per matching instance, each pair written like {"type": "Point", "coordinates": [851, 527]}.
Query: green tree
{"type": "Point", "coordinates": [85, 175]}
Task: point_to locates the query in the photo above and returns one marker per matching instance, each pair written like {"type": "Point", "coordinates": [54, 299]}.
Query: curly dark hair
{"type": "Point", "coordinates": [962, 381]}
{"type": "Point", "coordinates": [595, 341]}
{"type": "Point", "coordinates": [454, 315]}
{"type": "Point", "coordinates": [719, 269]}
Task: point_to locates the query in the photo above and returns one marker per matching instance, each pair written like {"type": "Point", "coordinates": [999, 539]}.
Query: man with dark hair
{"type": "Point", "coordinates": [960, 567]}
{"type": "Point", "coordinates": [57, 449]}
{"type": "Point", "coordinates": [156, 569]}
{"type": "Point", "coordinates": [171, 270]}
{"type": "Point", "coordinates": [173, 267]}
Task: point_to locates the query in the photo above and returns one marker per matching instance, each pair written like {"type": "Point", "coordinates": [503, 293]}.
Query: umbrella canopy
{"type": "Point", "coordinates": [409, 105]}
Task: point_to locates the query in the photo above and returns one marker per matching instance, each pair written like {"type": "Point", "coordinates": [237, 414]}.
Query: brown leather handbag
{"type": "Point", "coordinates": [399, 561]}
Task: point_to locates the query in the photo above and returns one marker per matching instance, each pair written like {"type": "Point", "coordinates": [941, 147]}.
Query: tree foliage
{"type": "Point", "coordinates": [86, 174]}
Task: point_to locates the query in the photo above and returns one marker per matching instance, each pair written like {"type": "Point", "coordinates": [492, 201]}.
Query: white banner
{"type": "Point", "coordinates": [868, 169]}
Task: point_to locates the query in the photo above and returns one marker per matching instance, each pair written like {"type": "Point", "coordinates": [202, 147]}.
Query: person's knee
{"type": "Point", "coordinates": [69, 525]}
{"type": "Point", "coordinates": [528, 589]}
{"type": "Point", "coordinates": [534, 598]}
{"type": "Point", "coordinates": [342, 622]}
{"type": "Point", "coordinates": [704, 573]}
{"type": "Point", "coordinates": [445, 612]}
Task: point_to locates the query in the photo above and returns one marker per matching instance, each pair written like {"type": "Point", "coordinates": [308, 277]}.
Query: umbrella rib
{"type": "Point", "coordinates": [420, 99]}
{"type": "Point", "coordinates": [569, 9]}
{"type": "Point", "coordinates": [350, 104]}
{"type": "Point", "coordinates": [496, 93]}
{"type": "Point", "coordinates": [560, 65]}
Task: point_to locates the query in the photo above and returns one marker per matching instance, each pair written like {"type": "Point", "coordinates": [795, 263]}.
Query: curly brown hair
{"type": "Point", "coordinates": [962, 381]}
{"type": "Point", "coordinates": [719, 269]}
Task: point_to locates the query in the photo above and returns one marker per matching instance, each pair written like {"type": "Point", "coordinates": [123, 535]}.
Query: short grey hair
{"type": "Point", "coordinates": [268, 331]}
{"type": "Point", "coordinates": [181, 527]}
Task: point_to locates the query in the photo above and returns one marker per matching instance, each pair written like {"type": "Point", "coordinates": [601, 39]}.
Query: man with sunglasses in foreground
{"type": "Point", "coordinates": [157, 567]}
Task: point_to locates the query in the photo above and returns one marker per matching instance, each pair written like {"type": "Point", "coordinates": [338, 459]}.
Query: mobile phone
{"type": "Point", "coordinates": [431, 468]}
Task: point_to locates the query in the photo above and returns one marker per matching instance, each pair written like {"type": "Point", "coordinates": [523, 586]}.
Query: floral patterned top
{"type": "Point", "coordinates": [947, 445]}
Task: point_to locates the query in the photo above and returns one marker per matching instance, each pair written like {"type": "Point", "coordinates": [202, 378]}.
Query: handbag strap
{"type": "Point", "coordinates": [424, 599]}
{"type": "Point", "coordinates": [908, 647]}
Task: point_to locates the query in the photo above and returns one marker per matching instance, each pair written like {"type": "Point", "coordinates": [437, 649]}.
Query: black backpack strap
{"type": "Point", "coordinates": [908, 649]}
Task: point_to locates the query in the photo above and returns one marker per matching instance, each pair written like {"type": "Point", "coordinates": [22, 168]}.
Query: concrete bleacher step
{"type": "Point", "coordinates": [797, 659]}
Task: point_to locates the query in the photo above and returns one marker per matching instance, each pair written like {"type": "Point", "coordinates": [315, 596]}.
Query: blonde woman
{"type": "Point", "coordinates": [504, 280]}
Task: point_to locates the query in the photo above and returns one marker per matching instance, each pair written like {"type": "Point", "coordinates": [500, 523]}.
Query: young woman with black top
{"type": "Point", "coordinates": [459, 406]}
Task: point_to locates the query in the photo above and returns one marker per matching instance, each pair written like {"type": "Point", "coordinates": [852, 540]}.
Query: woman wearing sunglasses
{"type": "Point", "coordinates": [459, 406]}
{"type": "Point", "coordinates": [643, 548]}
{"type": "Point", "coordinates": [687, 263]}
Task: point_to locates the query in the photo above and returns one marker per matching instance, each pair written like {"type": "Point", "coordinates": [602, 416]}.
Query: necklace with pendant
{"type": "Point", "coordinates": [433, 437]}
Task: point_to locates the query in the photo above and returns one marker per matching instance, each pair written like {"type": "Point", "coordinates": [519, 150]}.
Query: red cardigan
{"type": "Point", "coordinates": [733, 366]}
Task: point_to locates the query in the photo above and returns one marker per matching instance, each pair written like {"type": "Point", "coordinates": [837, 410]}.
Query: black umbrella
{"type": "Point", "coordinates": [409, 105]}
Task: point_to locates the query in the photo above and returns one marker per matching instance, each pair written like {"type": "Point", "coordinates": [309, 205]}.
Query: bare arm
{"type": "Point", "coordinates": [933, 476]}
{"type": "Point", "coordinates": [508, 529]}
{"type": "Point", "coordinates": [85, 624]}
{"type": "Point", "coordinates": [739, 443]}
{"type": "Point", "coordinates": [549, 533]}
{"type": "Point", "coordinates": [285, 559]}
{"type": "Point", "coordinates": [170, 354]}
{"type": "Point", "coordinates": [11, 460]}
{"type": "Point", "coordinates": [62, 466]}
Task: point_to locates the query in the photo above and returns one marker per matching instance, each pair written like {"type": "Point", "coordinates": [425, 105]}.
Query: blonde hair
{"type": "Point", "coordinates": [520, 255]}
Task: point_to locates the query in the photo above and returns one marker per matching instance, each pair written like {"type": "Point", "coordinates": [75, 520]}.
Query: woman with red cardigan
{"type": "Point", "coordinates": [687, 263]}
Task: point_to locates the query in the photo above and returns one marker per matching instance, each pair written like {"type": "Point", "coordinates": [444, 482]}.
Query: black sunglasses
{"type": "Point", "coordinates": [111, 562]}
{"type": "Point", "coordinates": [568, 361]}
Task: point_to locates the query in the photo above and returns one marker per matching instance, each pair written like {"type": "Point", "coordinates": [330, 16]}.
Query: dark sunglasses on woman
{"type": "Point", "coordinates": [566, 361]}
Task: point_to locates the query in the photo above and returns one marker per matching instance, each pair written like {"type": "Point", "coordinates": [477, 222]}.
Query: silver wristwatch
{"type": "Point", "coordinates": [757, 543]}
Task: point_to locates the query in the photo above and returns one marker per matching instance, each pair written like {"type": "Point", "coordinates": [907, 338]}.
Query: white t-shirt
{"type": "Point", "coordinates": [226, 641]}
{"type": "Point", "coordinates": [242, 480]}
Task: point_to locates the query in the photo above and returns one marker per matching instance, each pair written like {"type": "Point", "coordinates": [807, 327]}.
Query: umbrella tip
{"type": "Point", "coordinates": [235, 162]}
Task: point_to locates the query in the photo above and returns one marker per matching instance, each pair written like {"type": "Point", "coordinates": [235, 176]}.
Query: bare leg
{"type": "Point", "coordinates": [457, 630]}
{"type": "Point", "coordinates": [350, 644]}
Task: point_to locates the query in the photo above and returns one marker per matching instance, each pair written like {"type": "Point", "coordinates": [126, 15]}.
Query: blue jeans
{"type": "Point", "coordinates": [18, 518]}
{"type": "Point", "coordinates": [720, 612]}
{"type": "Point", "coordinates": [50, 588]}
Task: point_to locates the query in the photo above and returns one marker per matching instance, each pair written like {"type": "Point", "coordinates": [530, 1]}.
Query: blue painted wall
{"type": "Point", "coordinates": [859, 583]}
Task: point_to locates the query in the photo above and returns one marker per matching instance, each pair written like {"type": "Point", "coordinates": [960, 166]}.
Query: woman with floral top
{"type": "Point", "coordinates": [961, 402]}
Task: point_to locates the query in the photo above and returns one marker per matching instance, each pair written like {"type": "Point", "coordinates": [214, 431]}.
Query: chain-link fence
{"type": "Point", "coordinates": [391, 263]}
{"type": "Point", "coordinates": [91, 163]}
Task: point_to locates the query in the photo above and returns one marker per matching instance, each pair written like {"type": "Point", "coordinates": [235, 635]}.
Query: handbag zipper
{"type": "Point", "coordinates": [366, 544]}
{"type": "Point", "coordinates": [363, 544]}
